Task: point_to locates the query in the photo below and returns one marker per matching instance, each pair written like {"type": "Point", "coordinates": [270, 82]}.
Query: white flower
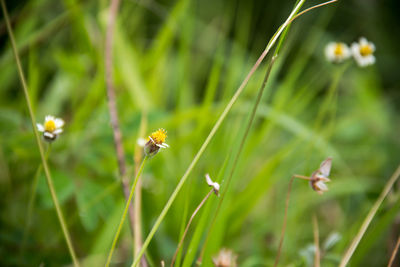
{"type": "Point", "coordinates": [363, 52]}
{"type": "Point", "coordinates": [337, 52]}
{"type": "Point", "coordinates": [214, 185]}
{"type": "Point", "coordinates": [320, 177]}
{"type": "Point", "coordinates": [51, 128]}
{"type": "Point", "coordinates": [155, 142]}
{"type": "Point", "coordinates": [225, 258]}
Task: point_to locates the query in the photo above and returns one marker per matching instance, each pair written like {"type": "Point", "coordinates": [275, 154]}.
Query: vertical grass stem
{"type": "Point", "coordinates": [39, 144]}
{"type": "Point", "coordinates": [31, 201]}
{"type": "Point", "coordinates": [213, 131]}
{"type": "Point", "coordinates": [317, 254]}
{"type": "Point", "coordinates": [188, 225]}
{"type": "Point", "coordinates": [349, 252]}
{"type": "Point", "coordinates": [396, 248]}
{"type": "Point", "coordinates": [278, 254]}
{"type": "Point", "coordinates": [137, 201]}
{"type": "Point", "coordinates": [128, 202]}
{"type": "Point", "coordinates": [237, 156]}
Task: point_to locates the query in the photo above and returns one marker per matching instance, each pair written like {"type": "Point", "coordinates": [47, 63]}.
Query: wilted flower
{"type": "Point", "coordinates": [337, 52]}
{"type": "Point", "coordinates": [52, 127]}
{"type": "Point", "coordinates": [155, 142]}
{"type": "Point", "coordinates": [320, 177]}
{"type": "Point", "coordinates": [225, 258]}
{"type": "Point", "coordinates": [214, 185]}
{"type": "Point", "coordinates": [363, 52]}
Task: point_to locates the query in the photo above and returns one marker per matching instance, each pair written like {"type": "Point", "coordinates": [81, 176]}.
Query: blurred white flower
{"type": "Point", "coordinates": [337, 52]}
{"type": "Point", "coordinates": [214, 185]}
{"type": "Point", "coordinates": [141, 141]}
{"type": "Point", "coordinates": [331, 240]}
{"type": "Point", "coordinates": [51, 128]}
{"type": "Point", "coordinates": [363, 52]}
{"type": "Point", "coordinates": [225, 258]}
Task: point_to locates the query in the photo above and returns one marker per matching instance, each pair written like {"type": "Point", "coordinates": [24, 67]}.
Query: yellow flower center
{"type": "Point", "coordinates": [338, 50]}
{"type": "Point", "coordinates": [365, 50]}
{"type": "Point", "coordinates": [50, 126]}
{"type": "Point", "coordinates": [159, 136]}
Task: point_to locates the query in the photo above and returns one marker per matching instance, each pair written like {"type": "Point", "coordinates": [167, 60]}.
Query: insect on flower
{"type": "Point", "coordinates": [51, 128]}
{"type": "Point", "coordinates": [363, 52]}
{"type": "Point", "coordinates": [155, 141]}
{"type": "Point", "coordinates": [337, 52]}
{"type": "Point", "coordinates": [320, 177]}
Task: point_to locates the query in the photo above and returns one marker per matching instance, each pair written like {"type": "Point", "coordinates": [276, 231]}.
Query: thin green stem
{"type": "Point", "coordinates": [278, 254]}
{"type": "Point", "coordinates": [185, 210]}
{"type": "Point", "coordinates": [188, 225]}
{"type": "Point", "coordinates": [283, 36]}
{"type": "Point", "coordinates": [39, 144]}
{"type": "Point", "coordinates": [311, 8]}
{"type": "Point", "coordinates": [332, 90]}
{"type": "Point", "coordinates": [237, 156]}
{"type": "Point", "coordinates": [368, 219]}
{"type": "Point", "coordinates": [137, 202]}
{"type": "Point", "coordinates": [302, 177]}
{"type": "Point", "coordinates": [31, 201]}
{"type": "Point", "coordinates": [125, 212]}
{"type": "Point", "coordinates": [317, 255]}
{"type": "Point", "coordinates": [213, 131]}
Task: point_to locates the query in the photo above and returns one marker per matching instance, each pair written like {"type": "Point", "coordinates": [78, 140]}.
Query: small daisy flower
{"type": "Point", "coordinates": [225, 258]}
{"type": "Point", "coordinates": [363, 52]}
{"type": "Point", "coordinates": [214, 185]}
{"type": "Point", "coordinates": [337, 52]}
{"type": "Point", "coordinates": [155, 142]}
{"type": "Point", "coordinates": [320, 177]}
{"type": "Point", "coordinates": [51, 128]}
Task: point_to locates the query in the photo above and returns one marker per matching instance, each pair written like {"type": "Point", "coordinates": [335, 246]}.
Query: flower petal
{"type": "Point", "coordinates": [59, 123]}
{"type": "Point", "coordinates": [321, 186]}
{"type": "Point", "coordinates": [325, 167]}
{"type": "Point", "coordinates": [49, 135]}
{"type": "Point", "coordinates": [363, 41]}
{"type": "Point", "coordinates": [40, 127]}
{"type": "Point", "coordinates": [208, 180]}
{"type": "Point", "coordinates": [214, 185]}
{"type": "Point", "coordinates": [58, 131]}
{"type": "Point", "coordinates": [152, 140]}
{"type": "Point", "coordinates": [48, 118]}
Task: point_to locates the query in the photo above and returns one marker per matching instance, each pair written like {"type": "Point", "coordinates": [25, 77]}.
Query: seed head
{"type": "Point", "coordinates": [320, 177]}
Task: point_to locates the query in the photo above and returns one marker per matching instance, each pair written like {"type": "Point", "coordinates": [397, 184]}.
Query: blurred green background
{"type": "Point", "coordinates": [179, 63]}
